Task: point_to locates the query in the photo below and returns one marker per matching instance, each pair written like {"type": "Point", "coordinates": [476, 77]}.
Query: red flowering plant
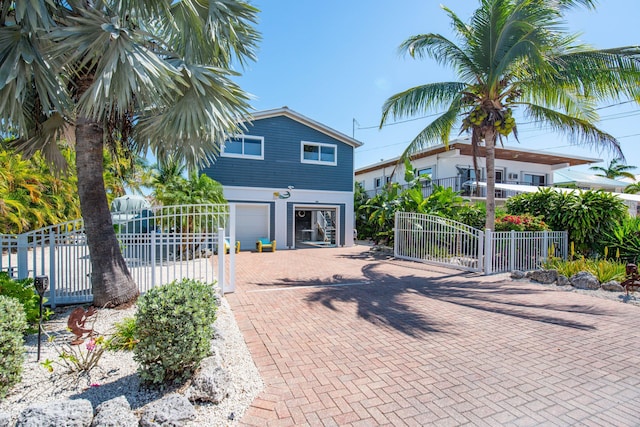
{"type": "Point", "coordinates": [524, 222]}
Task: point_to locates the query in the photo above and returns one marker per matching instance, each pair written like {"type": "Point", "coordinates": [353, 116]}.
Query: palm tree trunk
{"type": "Point", "coordinates": [110, 278]}
{"type": "Point", "coordinates": [490, 158]}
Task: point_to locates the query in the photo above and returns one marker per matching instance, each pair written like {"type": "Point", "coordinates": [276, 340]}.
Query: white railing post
{"type": "Point", "coordinates": [23, 259]}
{"type": "Point", "coordinates": [488, 251]}
{"type": "Point", "coordinates": [232, 248]}
{"type": "Point", "coordinates": [221, 260]}
{"type": "Point", "coordinates": [396, 236]}
{"type": "Point", "coordinates": [545, 245]}
{"type": "Point", "coordinates": [512, 250]}
{"type": "Point", "coordinates": [481, 260]}
{"type": "Point", "coordinates": [52, 268]}
{"type": "Point", "coordinates": [152, 254]}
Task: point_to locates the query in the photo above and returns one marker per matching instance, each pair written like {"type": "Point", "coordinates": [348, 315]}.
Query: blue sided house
{"type": "Point", "coordinates": [289, 179]}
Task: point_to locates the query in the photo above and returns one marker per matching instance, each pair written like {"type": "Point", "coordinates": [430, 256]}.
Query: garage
{"type": "Point", "coordinates": [252, 223]}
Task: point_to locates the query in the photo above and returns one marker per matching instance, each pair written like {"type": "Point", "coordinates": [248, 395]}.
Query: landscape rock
{"type": "Point", "coordinates": [585, 280]}
{"type": "Point", "coordinates": [69, 413]}
{"type": "Point", "coordinates": [212, 382]}
{"type": "Point", "coordinates": [543, 276]}
{"type": "Point", "coordinates": [5, 419]}
{"type": "Point", "coordinates": [562, 280]}
{"type": "Point", "coordinates": [115, 413]}
{"type": "Point", "coordinates": [612, 286]}
{"type": "Point", "coordinates": [173, 410]}
{"type": "Point", "coordinates": [517, 274]}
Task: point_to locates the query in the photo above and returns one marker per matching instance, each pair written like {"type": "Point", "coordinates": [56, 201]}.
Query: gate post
{"type": "Point", "coordinates": [396, 219]}
{"type": "Point", "coordinates": [481, 240]}
{"type": "Point", "coordinates": [23, 259]}
{"type": "Point", "coordinates": [488, 251]}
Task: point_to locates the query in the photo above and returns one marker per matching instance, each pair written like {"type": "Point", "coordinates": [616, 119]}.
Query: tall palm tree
{"type": "Point", "coordinates": [514, 54]}
{"type": "Point", "coordinates": [615, 170]}
{"type": "Point", "coordinates": [136, 75]}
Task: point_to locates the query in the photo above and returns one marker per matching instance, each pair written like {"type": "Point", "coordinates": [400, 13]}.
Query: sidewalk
{"type": "Point", "coordinates": [342, 338]}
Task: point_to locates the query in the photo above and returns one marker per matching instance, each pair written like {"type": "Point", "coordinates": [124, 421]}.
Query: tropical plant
{"type": "Point", "coordinates": [624, 239]}
{"type": "Point", "coordinates": [514, 54]}
{"type": "Point", "coordinates": [12, 326]}
{"type": "Point", "coordinates": [632, 188]}
{"type": "Point", "coordinates": [198, 189]}
{"type": "Point", "coordinates": [586, 215]}
{"type": "Point", "coordinates": [615, 170]}
{"type": "Point", "coordinates": [24, 291]}
{"type": "Point", "coordinates": [134, 76]}
{"type": "Point", "coordinates": [604, 270]}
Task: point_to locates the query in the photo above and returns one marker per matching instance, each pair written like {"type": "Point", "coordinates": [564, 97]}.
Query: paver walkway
{"type": "Point", "coordinates": [342, 338]}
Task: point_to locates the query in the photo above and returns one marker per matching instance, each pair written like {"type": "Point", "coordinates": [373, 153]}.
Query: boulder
{"type": "Point", "coordinates": [173, 410]}
{"type": "Point", "coordinates": [5, 419]}
{"type": "Point", "coordinates": [115, 413]}
{"type": "Point", "coordinates": [612, 286]}
{"type": "Point", "coordinates": [562, 280]}
{"type": "Point", "coordinates": [585, 280]}
{"type": "Point", "coordinates": [70, 413]}
{"type": "Point", "coordinates": [543, 276]}
{"type": "Point", "coordinates": [517, 274]}
{"type": "Point", "coordinates": [212, 382]}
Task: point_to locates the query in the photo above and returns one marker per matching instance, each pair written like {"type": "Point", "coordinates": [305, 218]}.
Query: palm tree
{"type": "Point", "coordinates": [514, 54]}
{"type": "Point", "coordinates": [615, 170]}
{"type": "Point", "coordinates": [131, 75]}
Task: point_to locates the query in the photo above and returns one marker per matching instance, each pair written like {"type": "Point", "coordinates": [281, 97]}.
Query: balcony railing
{"type": "Point", "coordinates": [457, 183]}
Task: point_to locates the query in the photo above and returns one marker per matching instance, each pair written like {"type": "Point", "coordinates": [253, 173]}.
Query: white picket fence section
{"type": "Point", "coordinates": [441, 241]}
{"type": "Point", "coordinates": [159, 245]}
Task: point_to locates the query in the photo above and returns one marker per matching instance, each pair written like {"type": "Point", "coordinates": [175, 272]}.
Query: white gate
{"type": "Point", "coordinates": [436, 240]}
{"type": "Point", "coordinates": [159, 245]}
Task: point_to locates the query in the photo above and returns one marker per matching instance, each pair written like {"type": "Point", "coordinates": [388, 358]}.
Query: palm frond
{"type": "Point", "coordinates": [421, 99]}
{"type": "Point", "coordinates": [437, 131]}
{"type": "Point", "coordinates": [579, 131]}
{"type": "Point", "coordinates": [208, 107]}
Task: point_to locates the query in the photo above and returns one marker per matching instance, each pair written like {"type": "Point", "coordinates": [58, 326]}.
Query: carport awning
{"type": "Point", "coordinates": [533, 189]}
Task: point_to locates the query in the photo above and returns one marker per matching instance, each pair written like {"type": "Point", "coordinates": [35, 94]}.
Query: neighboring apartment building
{"type": "Point", "coordinates": [452, 167]}
{"type": "Point", "coordinates": [290, 179]}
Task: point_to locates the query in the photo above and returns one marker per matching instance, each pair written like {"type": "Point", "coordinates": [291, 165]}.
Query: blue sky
{"type": "Point", "coordinates": [335, 61]}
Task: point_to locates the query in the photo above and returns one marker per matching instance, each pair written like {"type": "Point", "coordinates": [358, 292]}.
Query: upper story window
{"type": "Point", "coordinates": [318, 153]}
{"type": "Point", "coordinates": [534, 179]}
{"type": "Point", "coordinates": [244, 146]}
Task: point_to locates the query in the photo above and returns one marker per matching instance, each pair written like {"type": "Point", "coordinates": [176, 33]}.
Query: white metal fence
{"type": "Point", "coordinates": [159, 245]}
{"type": "Point", "coordinates": [441, 241]}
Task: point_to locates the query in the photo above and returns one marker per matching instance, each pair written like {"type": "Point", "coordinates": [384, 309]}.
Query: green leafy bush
{"type": "Point", "coordinates": [12, 326]}
{"type": "Point", "coordinates": [604, 269]}
{"type": "Point", "coordinates": [124, 337]}
{"type": "Point", "coordinates": [624, 238]}
{"type": "Point", "coordinates": [174, 328]}
{"type": "Point", "coordinates": [24, 291]}
{"type": "Point", "coordinates": [586, 215]}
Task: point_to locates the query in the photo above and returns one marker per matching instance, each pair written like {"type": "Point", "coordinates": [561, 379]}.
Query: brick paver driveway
{"type": "Point", "coordinates": [341, 338]}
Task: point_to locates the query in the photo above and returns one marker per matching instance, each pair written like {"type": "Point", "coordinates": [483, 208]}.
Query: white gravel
{"type": "Point", "coordinates": [116, 372]}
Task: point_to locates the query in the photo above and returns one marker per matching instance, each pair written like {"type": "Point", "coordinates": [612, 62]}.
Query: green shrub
{"type": "Point", "coordinates": [124, 337]}
{"type": "Point", "coordinates": [24, 291]}
{"type": "Point", "coordinates": [604, 269]}
{"type": "Point", "coordinates": [624, 239]}
{"type": "Point", "coordinates": [174, 328]}
{"type": "Point", "coordinates": [12, 326]}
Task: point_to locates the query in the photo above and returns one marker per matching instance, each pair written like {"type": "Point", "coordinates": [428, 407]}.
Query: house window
{"type": "Point", "coordinates": [244, 146]}
{"type": "Point", "coordinates": [424, 171]}
{"type": "Point", "coordinates": [378, 182]}
{"type": "Point", "coordinates": [532, 179]}
{"type": "Point", "coordinates": [317, 153]}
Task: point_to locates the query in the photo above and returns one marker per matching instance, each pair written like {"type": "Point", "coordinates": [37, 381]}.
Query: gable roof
{"type": "Point", "coordinates": [516, 154]}
{"type": "Point", "coordinates": [287, 112]}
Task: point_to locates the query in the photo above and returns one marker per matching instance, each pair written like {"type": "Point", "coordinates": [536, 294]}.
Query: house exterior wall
{"type": "Point", "coordinates": [446, 165]}
{"type": "Point", "coordinates": [281, 213]}
{"type": "Point", "coordinates": [285, 182]}
{"type": "Point", "coordinates": [282, 166]}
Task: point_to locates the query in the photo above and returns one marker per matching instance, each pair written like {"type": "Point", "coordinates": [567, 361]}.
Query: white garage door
{"type": "Point", "coordinates": [252, 223]}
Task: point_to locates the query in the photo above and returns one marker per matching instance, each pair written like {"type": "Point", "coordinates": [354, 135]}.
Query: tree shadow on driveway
{"type": "Point", "coordinates": [386, 300]}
